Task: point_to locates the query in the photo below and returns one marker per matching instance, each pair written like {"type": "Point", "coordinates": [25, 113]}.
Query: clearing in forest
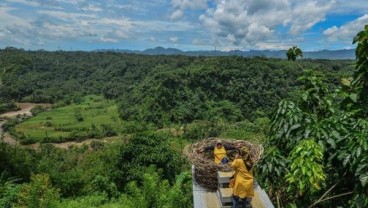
{"type": "Point", "coordinates": [94, 117]}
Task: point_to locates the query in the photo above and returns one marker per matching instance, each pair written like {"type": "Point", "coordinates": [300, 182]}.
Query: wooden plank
{"type": "Point", "coordinates": [222, 204]}
{"type": "Point", "coordinates": [203, 198]}
{"type": "Point", "coordinates": [224, 177]}
{"type": "Point", "coordinates": [225, 194]}
{"type": "Point", "coordinates": [212, 200]}
{"type": "Point", "coordinates": [222, 174]}
{"type": "Point", "coordinates": [260, 199]}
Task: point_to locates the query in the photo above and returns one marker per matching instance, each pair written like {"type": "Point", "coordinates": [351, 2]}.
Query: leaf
{"type": "Point", "coordinates": [358, 151]}
{"type": "Point", "coordinates": [364, 179]}
{"type": "Point", "coordinates": [332, 143]}
{"type": "Point", "coordinates": [346, 160]}
{"type": "Point", "coordinates": [360, 167]}
{"type": "Point", "coordinates": [353, 97]}
{"type": "Point", "coordinates": [306, 133]}
{"type": "Point", "coordinates": [336, 135]}
{"type": "Point", "coordinates": [295, 126]}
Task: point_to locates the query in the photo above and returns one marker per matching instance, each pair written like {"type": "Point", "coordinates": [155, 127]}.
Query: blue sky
{"type": "Point", "coordinates": [183, 24]}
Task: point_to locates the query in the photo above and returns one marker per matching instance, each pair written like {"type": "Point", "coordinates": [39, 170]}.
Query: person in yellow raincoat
{"type": "Point", "coordinates": [219, 151]}
{"type": "Point", "coordinates": [243, 178]}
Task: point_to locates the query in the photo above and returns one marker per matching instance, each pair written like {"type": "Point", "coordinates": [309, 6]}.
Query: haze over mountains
{"type": "Point", "coordinates": [323, 54]}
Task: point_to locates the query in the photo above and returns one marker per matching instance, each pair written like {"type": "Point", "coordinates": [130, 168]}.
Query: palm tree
{"type": "Point", "coordinates": [293, 53]}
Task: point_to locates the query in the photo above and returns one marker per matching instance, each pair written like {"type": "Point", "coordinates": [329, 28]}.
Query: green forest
{"type": "Point", "coordinates": [310, 116]}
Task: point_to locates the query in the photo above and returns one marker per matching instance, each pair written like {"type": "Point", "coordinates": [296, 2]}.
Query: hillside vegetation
{"type": "Point", "coordinates": [310, 115]}
{"type": "Point", "coordinates": [160, 89]}
{"type": "Point", "coordinates": [93, 117]}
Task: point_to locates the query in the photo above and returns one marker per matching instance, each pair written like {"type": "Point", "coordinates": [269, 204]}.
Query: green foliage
{"type": "Point", "coordinates": [78, 115]}
{"type": "Point", "coordinates": [204, 129]}
{"type": "Point", "coordinates": [7, 106]}
{"type": "Point", "coordinates": [38, 109]}
{"type": "Point", "coordinates": [360, 81]}
{"type": "Point", "coordinates": [16, 162]}
{"type": "Point", "coordinates": [353, 153]}
{"type": "Point", "coordinates": [293, 53]}
{"type": "Point", "coordinates": [246, 130]}
{"type": "Point", "coordinates": [158, 89]}
{"type": "Point", "coordinates": [95, 117]}
{"type": "Point", "coordinates": [146, 149]}
{"type": "Point", "coordinates": [155, 192]}
{"type": "Point", "coordinates": [96, 200]}
{"type": "Point", "coordinates": [8, 191]}
{"type": "Point", "coordinates": [207, 96]}
{"type": "Point", "coordinates": [274, 166]}
{"type": "Point", "coordinates": [39, 193]}
{"type": "Point", "coordinates": [306, 169]}
{"type": "Point", "coordinates": [334, 164]}
{"type": "Point", "coordinates": [78, 171]}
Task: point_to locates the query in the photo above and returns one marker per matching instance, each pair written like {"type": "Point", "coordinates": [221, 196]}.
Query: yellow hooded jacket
{"type": "Point", "coordinates": [219, 154]}
{"type": "Point", "coordinates": [243, 186]}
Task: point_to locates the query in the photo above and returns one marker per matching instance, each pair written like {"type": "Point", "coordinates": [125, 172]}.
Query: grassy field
{"type": "Point", "coordinates": [94, 117]}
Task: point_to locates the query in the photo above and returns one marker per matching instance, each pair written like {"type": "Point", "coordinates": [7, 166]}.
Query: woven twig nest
{"type": "Point", "coordinates": [205, 169]}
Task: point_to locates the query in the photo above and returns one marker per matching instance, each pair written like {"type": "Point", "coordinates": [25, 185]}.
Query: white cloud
{"type": "Point", "coordinates": [67, 16]}
{"type": "Point", "coordinates": [350, 7]}
{"type": "Point", "coordinates": [152, 39]}
{"type": "Point", "coordinates": [177, 14]}
{"type": "Point", "coordinates": [197, 41]}
{"type": "Point", "coordinates": [7, 18]}
{"type": "Point", "coordinates": [181, 5]}
{"type": "Point", "coordinates": [26, 2]}
{"type": "Point", "coordinates": [306, 14]}
{"type": "Point", "coordinates": [273, 46]}
{"type": "Point", "coordinates": [246, 22]}
{"type": "Point", "coordinates": [348, 31]}
{"type": "Point", "coordinates": [155, 25]}
{"type": "Point", "coordinates": [92, 8]}
{"type": "Point", "coordinates": [224, 23]}
{"type": "Point", "coordinates": [174, 39]}
{"type": "Point", "coordinates": [108, 40]}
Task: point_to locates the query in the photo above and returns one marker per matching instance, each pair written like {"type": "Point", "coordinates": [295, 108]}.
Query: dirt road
{"type": "Point", "coordinates": [25, 109]}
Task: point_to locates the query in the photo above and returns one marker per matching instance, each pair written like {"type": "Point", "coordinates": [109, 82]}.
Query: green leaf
{"type": "Point", "coordinates": [358, 151]}
{"type": "Point", "coordinates": [336, 135]}
{"type": "Point", "coordinates": [346, 160]}
{"type": "Point", "coordinates": [353, 97]}
{"type": "Point", "coordinates": [364, 179]}
{"type": "Point", "coordinates": [360, 167]}
{"type": "Point", "coordinates": [332, 143]}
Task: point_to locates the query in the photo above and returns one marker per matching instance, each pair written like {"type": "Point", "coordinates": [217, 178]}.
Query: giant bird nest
{"type": "Point", "coordinates": [205, 169]}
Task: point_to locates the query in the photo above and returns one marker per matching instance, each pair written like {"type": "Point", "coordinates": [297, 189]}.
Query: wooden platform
{"type": "Point", "coordinates": [224, 178]}
{"type": "Point", "coordinates": [223, 197]}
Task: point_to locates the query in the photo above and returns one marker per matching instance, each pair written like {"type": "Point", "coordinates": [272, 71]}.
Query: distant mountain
{"type": "Point", "coordinates": [323, 54]}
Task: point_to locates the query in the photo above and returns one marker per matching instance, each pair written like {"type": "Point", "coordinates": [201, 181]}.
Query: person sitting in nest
{"type": "Point", "coordinates": [243, 178]}
{"type": "Point", "coordinates": [219, 151]}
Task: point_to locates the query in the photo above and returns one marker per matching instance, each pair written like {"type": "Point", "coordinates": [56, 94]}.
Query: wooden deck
{"type": "Point", "coordinates": [203, 198]}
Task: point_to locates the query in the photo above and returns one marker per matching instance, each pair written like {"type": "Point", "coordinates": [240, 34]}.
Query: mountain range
{"type": "Point", "coordinates": [322, 54]}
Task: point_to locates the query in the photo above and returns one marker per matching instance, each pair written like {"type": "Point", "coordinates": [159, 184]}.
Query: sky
{"type": "Point", "coordinates": [184, 24]}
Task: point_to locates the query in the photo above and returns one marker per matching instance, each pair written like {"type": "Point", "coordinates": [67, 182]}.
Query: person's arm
{"type": "Point", "coordinates": [207, 148]}
{"type": "Point", "coordinates": [229, 147]}
{"type": "Point", "coordinates": [249, 165]}
{"type": "Point", "coordinates": [235, 164]}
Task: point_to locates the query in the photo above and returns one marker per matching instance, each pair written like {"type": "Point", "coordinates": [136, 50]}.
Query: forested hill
{"type": "Point", "coordinates": [160, 89]}
{"type": "Point", "coordinates": [322, 54]}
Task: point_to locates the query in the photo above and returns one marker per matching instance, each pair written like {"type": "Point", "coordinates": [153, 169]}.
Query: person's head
{"type": "Point", "coordinates": [244, 153]}
{"type": "Point", "coordinates": [219, 143]}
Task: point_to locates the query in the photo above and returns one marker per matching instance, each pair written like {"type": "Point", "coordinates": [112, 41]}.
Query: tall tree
{"type": "Point", "coordinates": [360, 81]}
{"type": "Point", "coordinates": [293, 53]}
